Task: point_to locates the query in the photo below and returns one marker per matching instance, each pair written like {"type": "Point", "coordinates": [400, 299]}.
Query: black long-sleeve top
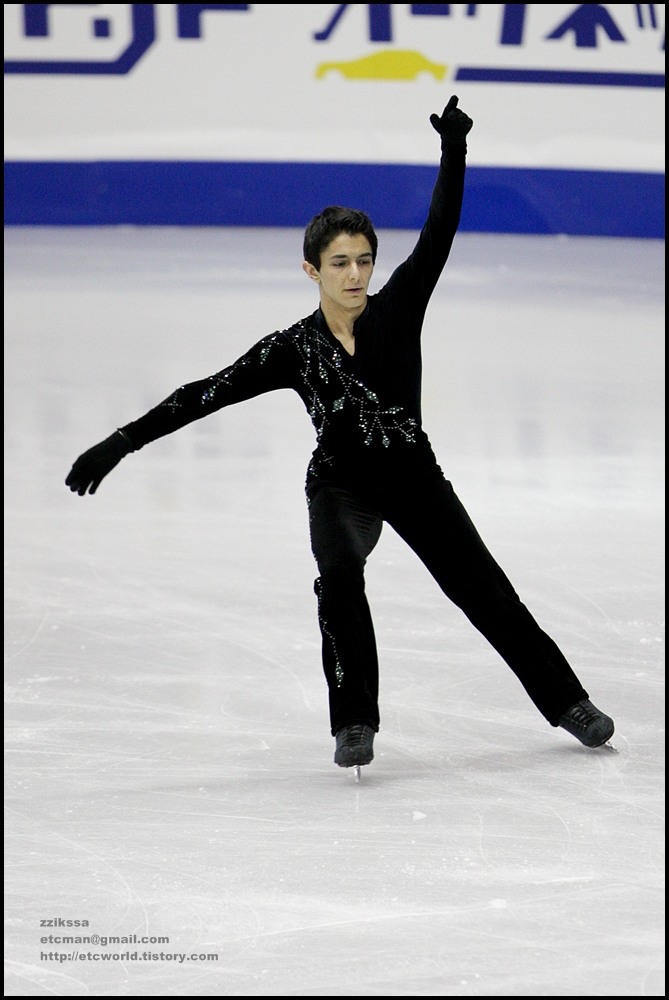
{"type": "Point", "coordinates": [365, 407]}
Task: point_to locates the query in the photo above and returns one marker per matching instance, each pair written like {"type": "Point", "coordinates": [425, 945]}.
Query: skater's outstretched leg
{"type": "Point", "coordinates": [439, 530]}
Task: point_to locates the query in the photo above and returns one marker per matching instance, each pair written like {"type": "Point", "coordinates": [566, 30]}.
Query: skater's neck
{"type": "Point", "coordinates": [341, 321]}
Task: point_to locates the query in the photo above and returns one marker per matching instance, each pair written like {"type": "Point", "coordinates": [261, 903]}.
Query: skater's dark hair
{"type": "Point", "coordinates": [332, 221]}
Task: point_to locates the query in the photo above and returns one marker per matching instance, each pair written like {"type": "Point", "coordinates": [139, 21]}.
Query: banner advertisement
{"type": "Point", "coordinates": [247, 114]}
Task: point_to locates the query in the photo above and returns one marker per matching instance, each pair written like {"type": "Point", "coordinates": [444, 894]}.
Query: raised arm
{"type": "Point", "coordinates": [414, 280]}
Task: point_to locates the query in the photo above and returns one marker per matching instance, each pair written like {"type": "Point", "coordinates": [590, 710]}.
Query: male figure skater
{"type": "Point", "coordinates": [356, 364]}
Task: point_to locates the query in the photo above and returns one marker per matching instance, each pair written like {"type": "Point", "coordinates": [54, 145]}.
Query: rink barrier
{"type": "Point", "coordinates": [175, 193]}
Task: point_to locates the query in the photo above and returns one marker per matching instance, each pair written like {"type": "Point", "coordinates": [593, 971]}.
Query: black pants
{"type": "Point", "coordinates": [345, 526]}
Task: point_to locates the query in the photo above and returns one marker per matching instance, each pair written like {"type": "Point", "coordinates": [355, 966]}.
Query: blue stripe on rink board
{"type": "Point", "coordinates": [497, 199]}
{"type": "Point", "coordinates": [561, 76]}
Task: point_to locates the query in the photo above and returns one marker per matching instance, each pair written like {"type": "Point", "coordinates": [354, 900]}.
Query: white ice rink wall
{"type": "Point", "coordinates": [259, 114]}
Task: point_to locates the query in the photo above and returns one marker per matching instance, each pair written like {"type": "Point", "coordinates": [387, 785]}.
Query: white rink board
{"type": "Point", "coordinates": [251, 85]}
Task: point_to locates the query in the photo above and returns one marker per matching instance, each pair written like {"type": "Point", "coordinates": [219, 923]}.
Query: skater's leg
{"type": "Point", "coordinates": [344, 530]}
{"type": "Point", "coordinates": [436, 526]}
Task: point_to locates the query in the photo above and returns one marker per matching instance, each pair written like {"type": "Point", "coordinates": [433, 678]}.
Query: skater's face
{"type": "Point", "coordinates": [345, 272]}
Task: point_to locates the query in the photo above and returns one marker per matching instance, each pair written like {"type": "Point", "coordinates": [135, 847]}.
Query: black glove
{"type": "Point", "coordinates": [91, 468]}
{"type": "Point", "coordinates": [454, 124]}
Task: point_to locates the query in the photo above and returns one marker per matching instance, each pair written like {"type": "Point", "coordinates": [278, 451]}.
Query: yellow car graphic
{"type": "Point", "coordinates": [392, 64]}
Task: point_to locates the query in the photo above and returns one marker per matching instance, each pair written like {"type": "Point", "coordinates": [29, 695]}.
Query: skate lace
{"type": "Point", "coordinates": [355, 736]}
{"type": "Point", "coordinates": [581, 715]}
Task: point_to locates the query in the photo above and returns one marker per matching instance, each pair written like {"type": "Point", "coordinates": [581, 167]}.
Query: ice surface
{"type": "Point", "coordinates": [169, 766]}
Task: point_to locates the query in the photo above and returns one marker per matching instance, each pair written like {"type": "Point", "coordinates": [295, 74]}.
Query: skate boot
{"type": "Point", "coordinates": [587, 724]}
{"type": "Point", "coordinates": [354, 746]}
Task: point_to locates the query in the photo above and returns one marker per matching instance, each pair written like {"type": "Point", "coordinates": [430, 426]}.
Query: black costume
{"type": "Point", "coordinates": [374, 463]}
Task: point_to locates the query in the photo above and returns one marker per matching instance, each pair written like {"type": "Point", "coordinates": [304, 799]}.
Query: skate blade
{"type": "Point", "coordinates": [610, 747]}
{"type": "Point", "coordinates": [356, 773]}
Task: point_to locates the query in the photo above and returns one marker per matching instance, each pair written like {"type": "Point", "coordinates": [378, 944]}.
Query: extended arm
{"type": "Point", "coordinates": [262, 369]}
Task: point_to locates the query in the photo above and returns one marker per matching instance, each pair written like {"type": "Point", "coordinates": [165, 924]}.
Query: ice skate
{"type": "Point", "coordinates": [354, 747]}
{"type": "Point", "coordinates": [589, 725]}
